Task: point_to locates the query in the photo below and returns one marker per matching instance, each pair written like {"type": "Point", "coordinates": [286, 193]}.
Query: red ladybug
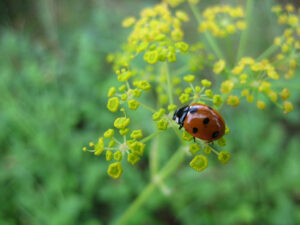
{"type": "Point", "coordinates": [200, 121]}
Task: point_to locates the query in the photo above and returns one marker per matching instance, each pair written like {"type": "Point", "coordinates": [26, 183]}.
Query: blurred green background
{"type": "Point", "coordinates": [54, 80]}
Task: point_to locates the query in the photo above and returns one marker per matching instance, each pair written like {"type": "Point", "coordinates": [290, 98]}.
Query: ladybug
{"type": "Point", "coordinates": [200, 121]}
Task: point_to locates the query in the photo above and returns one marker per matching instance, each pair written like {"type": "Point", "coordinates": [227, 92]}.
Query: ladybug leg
{"type": "Point", "coordinates": [180, 126]}
{"type": "Point", "coordinates": [194, 139]}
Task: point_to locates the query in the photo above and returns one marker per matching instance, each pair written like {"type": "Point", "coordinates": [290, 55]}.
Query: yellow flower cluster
{"type": "Point", "coordinates": [201, 93]}
{"type": "Point", "coordinates": [125, 93]}
{"type": "Point", "coordinates": [116, 150]}
{"type": "Point", "coordinates": [202, 150]}
{"type": "Point", "coordinates": [157, 33]}
{"type": "Point", "coordinates": [252, 78]}
{"type": "Point", "coordinates": [289, 41]}
{"type": "Point", "coordinates": [223, 20]}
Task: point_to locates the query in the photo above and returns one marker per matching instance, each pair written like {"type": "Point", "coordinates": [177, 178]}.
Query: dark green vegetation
{"type": "Point", "coordinates": [54, 79]}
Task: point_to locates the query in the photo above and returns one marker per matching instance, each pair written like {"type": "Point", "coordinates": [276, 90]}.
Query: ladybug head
{"type": "Point", "coordinates": [180, 114]}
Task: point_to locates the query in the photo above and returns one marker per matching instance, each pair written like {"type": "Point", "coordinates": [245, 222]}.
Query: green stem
{"type": "Point", "coordinates": [167, 170]}
{"type": "Point", "coordinates": [211, 41]}
{"type": "Point", "coordinates": [146, 107]}
{"type": "Point", "coordinates": [268, 52]}
{"type": "Point", "coordinates": [154, 157]}
{"type": "Point", "coordinates": [244, 36]}
{"type": "Point", "coordinates": [169, 85]}
{"type": "Point", "coordinates": [136, 204]}
{"type": "Point", "coordinates": [151, 136]}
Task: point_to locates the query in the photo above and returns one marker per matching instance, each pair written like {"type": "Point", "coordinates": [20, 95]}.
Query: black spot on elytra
{"type": "Point", "coordinates": [215, 134]}
{"type": "Point", "coordinates": [206, 121]}
{"type": "Point", "coordinates": [193, 110]}
{"type": "Point", "coordinates": [195, 130]}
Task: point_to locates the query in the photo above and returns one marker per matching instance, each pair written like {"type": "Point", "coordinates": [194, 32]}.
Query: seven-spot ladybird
{"type": "Point", "coordinates": [200, 121]}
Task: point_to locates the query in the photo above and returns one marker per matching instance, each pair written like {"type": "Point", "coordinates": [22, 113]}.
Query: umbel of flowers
{"type": "Point", "coordinates": [157, 38]}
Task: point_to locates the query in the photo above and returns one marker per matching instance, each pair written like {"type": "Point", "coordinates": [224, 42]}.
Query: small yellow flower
{"type": "Point", "coordinates": [209, 93]}
{"type": "Point", "coordinates": [189, 78]}
{"type": "Point", "coordinates": [261, 105]}
{"type": "Point", "coordinates": [277, 41]}
{"type": "Point", "coordinates": [124, 131]}
{"type": "Point", "coordinates": [111, 92]}
{"type": "Point", "coordinates": [207, 149]}
{"type": "Point", "coordinates": [276, 9]}
{"type": "Point", "coordinates": [293, 20]}
{"type": "Point", "coordinates": [290, 8]}
{"type": "Point", "coordinates": [186, 136]}
{"type": "Point", "coordinates": [124, 76]}
{"type": "Point", "coordinates": [194, 148]}
{"type": "Point", "coordinates": [221, 142]}
{"type": "Point", "coordinates": [162, 124]}
{"type": "Point", "coordinates": [171, 57]}
{"type": "Point", "coordinates": [99, 147]}
{"type": "Point", "coordinates": [136, 92]}
{"type": "Point", "coordinates": [109, 155]}
{"type": "Point", "coordinates": [293, 63]}
{"type": "Point", "coordinates": [217, 100]}
{"type": "Point", "coordinates": [177, 34]}
{"type": "Point", "coordinates": [287, 107]}
{"type": "Point", "coordinates": [137, 147]}
{"type": "Point", "coordinates": [133, 104]}
{"type": "Point", "coordinates": [124, 97]}
{"type": "Point", "coordinates": [142, 46]}
{"type": "Point", "coordinates": [272, 95]}
{"type": "Point", "coordinates": [118, 156]}
{"type": "Point", "coordinates": [113, 104]}
{"type": "Point", "coordinates": [184, 98]}
{"type": "Point", "coordinates": [227, 130]}
{"type": "Point", "coordinates": [157, 115]}
{"type": "Point", "coordinates": [111, 143]}
{"type": "Point", "coordinates": [233, 100]}
{"type": "Point", "coordinates": [224, 157]}
{"type": "Point", "coordinates": [188, 90]}
{"type": "Point", "coordinates": [282, 19]}
{"type": "Point", "coordinates": [264, 87]}
{"type": "Point", "coordinates": [206, 83]}
{"type": "Point", "coordinates": [144, 85]}
{"type": "Point", "coordinates": [227, 86]}
{"type": "Point", "coordinates": [151, 56]}
{"type": "Point", "coordinates": [91, 144]}
{"type": "Point", "coordinates": [128, 22]}
{"type": "Point", "coordinates": [133, 158]}
{"type": "Point", "coordinates": [182, 46]}
{"type": "Point", "coordinates": [219, 66]}
{"type": "Point", "coordinates": [122, 88]}
{"type": "Point", "coordinates": [182, 16]}
{"type": "Point", "coordinates": [197, 89]}
{"type": "Point", "coordinates": [285, 94]}
{"type": "Point", "coordinates": [109, 133]}
{"type": "Point", "coordinates": [172, 107]}
{"type": "Point", "coordinates": [84, 149]}
{"type": "Point", "coordinates": [136, 134]}
{"type": "Point", "coordinates": [115, 170]}
{"type": "Point", "coordinates": [199, 163]}
{"type": "Point", "coordinates": [121, 122]}
{"type": "Point", "coordinates": [250, 98]}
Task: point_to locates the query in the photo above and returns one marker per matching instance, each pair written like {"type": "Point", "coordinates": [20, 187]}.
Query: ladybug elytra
{"type": "Point", "coordinates": [201, 121]}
